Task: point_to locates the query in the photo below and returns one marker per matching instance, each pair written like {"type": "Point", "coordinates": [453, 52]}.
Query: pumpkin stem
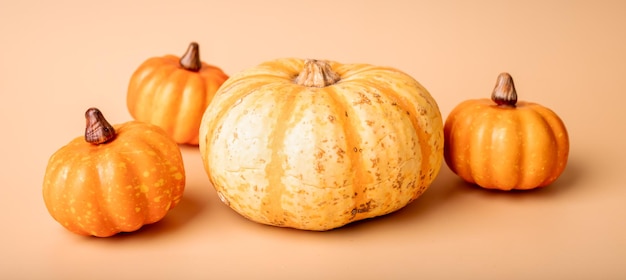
{"type": "Point", "coordinates": [317, 73]}
{"type": "Point", "coordinates": [191, 59]}
{"type": "Point", "coordinates": [504, 93]}
{"type": "Point", "coordinates": [98, 130]}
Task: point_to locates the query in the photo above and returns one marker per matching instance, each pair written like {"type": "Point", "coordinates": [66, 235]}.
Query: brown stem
{"type": "Point", "coordinates": [97, 130]}
{"type": "Point", "coordinates": [504, 93]}
{"type": "Point", "coordinates": [191, 59]}
{"type": "Point", "coordinates": [317, 73]}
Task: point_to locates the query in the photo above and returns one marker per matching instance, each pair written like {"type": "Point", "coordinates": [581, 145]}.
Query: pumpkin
{"type": "Point", "coordinates": [315, 145]}
{"type": "Point", "coordinates": [114, 179]}
{"type": "Point", "coordinates": [173, 92]}
{"type": "Point", "coordinates": [504, 143]}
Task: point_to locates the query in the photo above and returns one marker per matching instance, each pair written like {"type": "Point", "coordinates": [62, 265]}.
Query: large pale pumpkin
{"type": "Point", "coordinates": [315, 145]}
{"type": "Point", "coordinates": [114, 179]}
{"type": "Point", "coordinates": [504, 143]}
{"type": "Point", "coordinates": [173, 92]}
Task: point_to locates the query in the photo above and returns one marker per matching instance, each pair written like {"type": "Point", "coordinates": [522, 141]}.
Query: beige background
{"type": "Point", "coordinates": [59, 57]}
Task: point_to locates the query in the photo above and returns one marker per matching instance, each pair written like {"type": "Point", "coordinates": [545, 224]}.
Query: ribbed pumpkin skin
{"type": "Point", "coordinates": [163, 93]}
{"type": "Point", "coordinates": [119, 186]}
{"type": "Point", "coordinates": [314, 158]}
{"type": "Point", "coordinates": [505, 148]}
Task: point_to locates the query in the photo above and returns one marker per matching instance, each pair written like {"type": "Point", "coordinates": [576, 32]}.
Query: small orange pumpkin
{"type": "Point", "coordinates": [503, 143]}
{"type": "Point", "coordinates": [315, 145]}
{"type": "Point", "coordinates": [173, 93]}
{"type": "Point", "coordinates": [114, 179]}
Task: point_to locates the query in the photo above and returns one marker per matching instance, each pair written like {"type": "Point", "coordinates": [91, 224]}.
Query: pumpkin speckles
{"type": "Point", "coordinates": [118, 186]}
{"type": "Point", "coordinates": [317, 148]}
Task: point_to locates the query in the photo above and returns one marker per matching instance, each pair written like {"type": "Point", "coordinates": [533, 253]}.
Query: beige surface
{"type": "Point", "coordinates": [59, 57]}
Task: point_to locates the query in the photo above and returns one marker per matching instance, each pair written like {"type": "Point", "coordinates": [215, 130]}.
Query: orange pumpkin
{"type": "Point", "coordinates": [173, 93]}
{"type": "Point", "coordinates": [315, 145]}
{"type": "Point", "coordinates": [114, 179]}
{"type": "Point", "coordinates": [503, 143]}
